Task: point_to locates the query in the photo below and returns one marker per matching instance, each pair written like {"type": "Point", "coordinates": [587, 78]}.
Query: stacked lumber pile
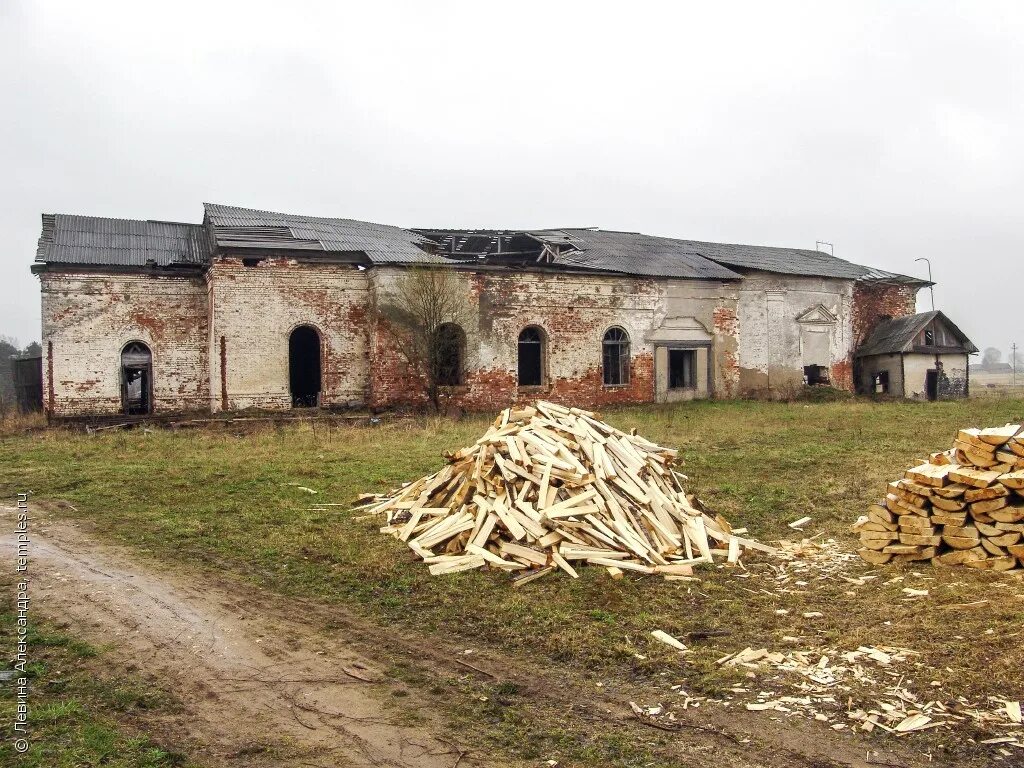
{"type": "Point", "coordinates": [549, 487]}
{"type": "Point", "coordinates": [964, 506]}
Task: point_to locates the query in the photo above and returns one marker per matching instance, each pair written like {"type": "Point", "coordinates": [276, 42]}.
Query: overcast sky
{"type": "Point", "coordinates": [894, 130]}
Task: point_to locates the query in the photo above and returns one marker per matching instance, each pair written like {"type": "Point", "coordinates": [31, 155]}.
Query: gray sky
{"type": "Point", "coordinates": [893, 129]}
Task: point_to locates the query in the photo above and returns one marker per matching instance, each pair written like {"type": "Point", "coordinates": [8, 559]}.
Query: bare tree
{"type": "Point", "coordinates": [991, 356]}
{"type": "Point", "coordinates": [427, 312]}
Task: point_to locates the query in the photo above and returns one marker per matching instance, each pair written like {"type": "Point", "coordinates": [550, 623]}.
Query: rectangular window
{"type": "Point", "coordinates": [816, 374]}
{"type": "Point", "coordinates": [682, 369]}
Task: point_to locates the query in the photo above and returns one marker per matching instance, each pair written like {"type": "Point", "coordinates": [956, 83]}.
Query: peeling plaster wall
{"type": "Point", "coordinates": [714, 305]}
{"type": "Point", "coordinates": [771, 353]}
{"type": "Point", "coordinates": [88, 318]}
{"type": "Point", "coordinates": [255, 309]}
{"type": "Point", "coordinates": [952, 380]}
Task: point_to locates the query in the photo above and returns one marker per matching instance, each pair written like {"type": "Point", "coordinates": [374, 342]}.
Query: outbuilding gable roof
{"type": "Point", "coordinates": [897, 334]}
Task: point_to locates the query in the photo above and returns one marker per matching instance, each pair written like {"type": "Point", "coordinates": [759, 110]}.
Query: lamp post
{"type": "Point", "coordinates": [931, 288]}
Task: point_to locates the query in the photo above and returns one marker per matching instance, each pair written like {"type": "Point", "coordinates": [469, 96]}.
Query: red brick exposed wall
{"type": "Point", "coordinates": [873, 301]}
{"type": "Point", "coordinates": [574, 315]}
{"type": "Point", "coordinates": [727, 327]}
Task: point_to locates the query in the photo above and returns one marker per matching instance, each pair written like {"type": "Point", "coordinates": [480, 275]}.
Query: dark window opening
{"type": "Point", "coordinates": [929, 337]}
{"type": "Point", "coordinates": [816, 374]}
{"type": "Point", "coordinates": [531, 357]}
{"type": "Point", "coordinates": [250, 262]}
{"type": "Point", "coordinates": [136, 379]}
{"type": "Point", "coordinates": [448, 352]}
{"type": "Point", "coordinates": [882, 383]}
{"type": "Point", "coordinates": [304, 367]}
{"type": "Point", "coordinates": [682, 368]}
{"type": "Point", "coordinates": [615, 357]}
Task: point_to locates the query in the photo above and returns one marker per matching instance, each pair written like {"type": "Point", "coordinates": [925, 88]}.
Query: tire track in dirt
{"type": "Point", "coordinates": [252, 688]}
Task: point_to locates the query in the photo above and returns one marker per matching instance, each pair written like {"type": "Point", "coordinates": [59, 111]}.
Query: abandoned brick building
{"type": "Point", "coordinates": [268, 310]}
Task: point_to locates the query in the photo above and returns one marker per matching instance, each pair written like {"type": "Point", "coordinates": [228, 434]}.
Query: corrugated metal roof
{"type": "Point", "coordinates": [897, 334]}
{"type": "Point", "coordinates": [73, 239]}
{"type": "Point", "coordinates": [633, 254]}
{"type": "Point", "coordinates": [629, 248]}
{"type": "Point", "coordinates": [248, 228]}
{"type": "Point", "coordinates": [92, 240]}
{"type": "Point", "coordinates": [787, 261]}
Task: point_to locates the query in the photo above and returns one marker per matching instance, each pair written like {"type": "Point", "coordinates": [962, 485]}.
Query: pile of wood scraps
{"type": "Point", "coordinates": [964, 506]}
{"type": "Point", "coordinates": [550, 488]}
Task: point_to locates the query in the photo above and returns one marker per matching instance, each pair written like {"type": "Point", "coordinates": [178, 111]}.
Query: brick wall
{"type": "Point", "coordinates": [256, 308]}
{"type": "Point", "coordinates": [89, 317]}
{"type": "Point", "coordinates": [222, 341]}
{"type": "Point", "coordinates": [873, 301]}
{"type": "Point", "coordinates": [573, 311]}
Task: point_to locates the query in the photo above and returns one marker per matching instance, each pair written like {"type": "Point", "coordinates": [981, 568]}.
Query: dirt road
{"type": "Point", "coordinates": [262, 682]}
{"type": "Point", "coordinates": [253, 688]}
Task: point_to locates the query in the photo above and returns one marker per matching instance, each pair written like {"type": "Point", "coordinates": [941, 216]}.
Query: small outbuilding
{"type": "Point", "coordinates": [922, 356]}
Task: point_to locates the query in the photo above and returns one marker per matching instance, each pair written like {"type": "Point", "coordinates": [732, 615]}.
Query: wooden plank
{"type": "Point", "coordinates": [527, 576]}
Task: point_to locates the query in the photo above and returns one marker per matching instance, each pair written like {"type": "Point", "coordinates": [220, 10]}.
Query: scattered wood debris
{"type": "Point", "coordinates": [548, 488]}
{"type": "Point", "coordinates": [964, 506]}
{"type": "Point", "coordinates": [830, 680]}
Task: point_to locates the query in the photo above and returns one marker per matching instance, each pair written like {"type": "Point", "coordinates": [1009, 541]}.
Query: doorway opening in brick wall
{"type": "Point", "coordinates": [304, 375]}
{"type": "Point", "coordinates": [136, 379]}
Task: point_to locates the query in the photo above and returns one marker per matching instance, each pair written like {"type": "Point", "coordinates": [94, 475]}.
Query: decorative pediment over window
{"type": "Point", "coordinates": [817, 315]}
{"type": "Point", "coordinates": [681, 329]}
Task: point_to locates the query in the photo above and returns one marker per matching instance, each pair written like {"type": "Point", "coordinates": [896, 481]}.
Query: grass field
{"type": "Point", "coordinates": [77, 718]}
{"type": "Point", "coordinates": [233, 502]}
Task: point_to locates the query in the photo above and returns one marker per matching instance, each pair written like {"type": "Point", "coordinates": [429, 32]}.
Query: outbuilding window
{"type": "Point", "coordinates": [615, 357]}
{"type": "Point", "coordinates": [882, 383]}
{"type": "Point", "coordinates": [531, 356]}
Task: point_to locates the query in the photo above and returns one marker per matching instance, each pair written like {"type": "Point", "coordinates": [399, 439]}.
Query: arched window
{"type": "Point", "coordinates": [304, 379]}
{"type": "Point", "coordinates": [447, 355]}
{"type": "Point", "coordinates": [615, 357]}
{"type": "Point", "coordinates": [136, 379]}
{"type": "Point", "coordinates": [531, 356]}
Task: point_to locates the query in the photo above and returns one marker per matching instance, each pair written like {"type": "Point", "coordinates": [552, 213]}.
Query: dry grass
{"type": "Point", "coordinates": [233, 503]}
{"type": "Point", "coordinates": [13, 422]}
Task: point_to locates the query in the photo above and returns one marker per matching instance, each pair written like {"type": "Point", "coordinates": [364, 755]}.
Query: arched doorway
{"type": "Point", "coordinates": [136, 379]}
{"type": "Point", "coordinates": [304, 367]}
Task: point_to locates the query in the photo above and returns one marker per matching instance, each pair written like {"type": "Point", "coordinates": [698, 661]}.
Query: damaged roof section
{"type": "Point", "coordinates": [92, 240]}
{"type": "Point", "coordinates": [632, 253]}
{"type": "Point", "coordinates": [592, 250]}
{"type": "Point", "coordinates": [89, 240]}
{"type": "Point", "coordinates": [246, 228]}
